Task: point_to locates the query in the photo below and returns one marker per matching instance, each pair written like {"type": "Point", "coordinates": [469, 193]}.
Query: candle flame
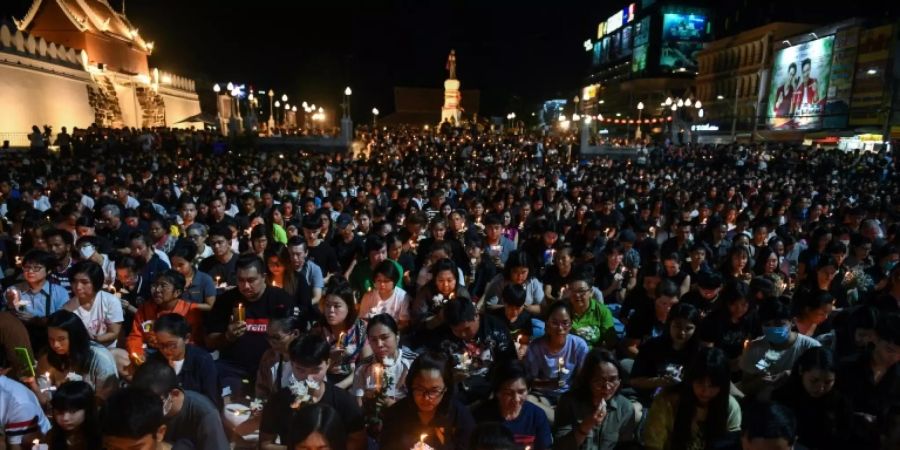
{"type": "Point", "coordinates": [422, 437]}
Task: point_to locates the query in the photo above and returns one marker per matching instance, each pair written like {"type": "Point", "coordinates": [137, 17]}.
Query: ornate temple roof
{"type": "Point", "coordinates": [92, 16]}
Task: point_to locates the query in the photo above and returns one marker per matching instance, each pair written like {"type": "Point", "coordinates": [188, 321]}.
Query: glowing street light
{"type": "Point", "coordinates": [217, 88]}
{"type": "Point", "coordinates": [375, 113]}
{"type": "Point", "coordinates": [271, 122]}
{"type": "Point", "coordinates": [637, 131]}
{"type": "Point", "coordinates": [668, 101]}
{"type": "Point", "coordinates": [284, 97]}
{"type": "Point", "coordinates": [230, 86]}
{"type": "Point", "coordinates": [348, 91]}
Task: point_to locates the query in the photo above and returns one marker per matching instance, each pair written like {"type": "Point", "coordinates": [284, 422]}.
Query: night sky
{"type": "Point", "coordinates": [516, 52]}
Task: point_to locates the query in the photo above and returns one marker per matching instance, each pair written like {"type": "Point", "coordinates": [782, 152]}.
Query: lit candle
{"type": "Point", "coordinates": [241, 314]}
{"type": "Point", "coordinates": [422, 438]}
{"type": "Point", "coordinates": [136, 359]}
{"type": "Point", "coordinates": [379, 372]}
{"type": "Point", "coordinates": [18, 261]}
{"type": "Point", "coordinates": [340, 341]}
{"type": "Point", "coordinates": [218, 281]}
{"type": "Point", "coordinates": [746, 344]}
{"type": "Point", "coordinates": [560, 365]}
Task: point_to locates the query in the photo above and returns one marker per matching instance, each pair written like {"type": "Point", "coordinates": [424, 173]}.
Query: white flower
{"type": "Point", "coordinates": [72, 376]}
{"type": "Point", "coordinates": [300, 391]}
{"type": "Point", "coordinates": [389, 362]}
{"type": "Point", "coordinates": [256, 405]}
{"type": "Point", "coordinates": [438, 300]}
{"type": "Point", "coordinates": [350, 348]}
{"type": "Point", "coordinates": [312, 384]}
{"type": "Point", "coordinates": [564, 371]}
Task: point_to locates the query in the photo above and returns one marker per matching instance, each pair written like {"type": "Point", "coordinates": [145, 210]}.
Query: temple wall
{"type": "Point", "coordinates": [179, 105]}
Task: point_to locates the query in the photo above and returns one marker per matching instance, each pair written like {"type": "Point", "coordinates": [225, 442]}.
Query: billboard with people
{"type": "Point", "coordinates": [800, 77]}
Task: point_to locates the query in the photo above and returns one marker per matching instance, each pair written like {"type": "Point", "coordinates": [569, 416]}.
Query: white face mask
{"type": "Point", "coordinates": [87, 251]}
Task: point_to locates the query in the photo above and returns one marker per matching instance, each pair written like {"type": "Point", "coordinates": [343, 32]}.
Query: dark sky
{"type": "Point", "coordinates": [516, 52]}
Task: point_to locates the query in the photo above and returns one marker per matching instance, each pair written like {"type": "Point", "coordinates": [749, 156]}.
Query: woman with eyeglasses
{"type": "Point", "coordinates": [194, 366]}
{"type": "Point", "coordinates": [197, 233]}
{"type": "Point", "coordinates": [431, 413]}
{"type": "Point", "coordinates": [555, 358]}
{"type": "Point", "coordinates": [591, 319]}
{"type": "Point", "coordinates": [165, 293]}
{"type": "Point", "coordinates": [37, 297]}
{"type": "Point", "coordinates": [511, 408]}
{"type": "Point", "coordinates": [595, 415]}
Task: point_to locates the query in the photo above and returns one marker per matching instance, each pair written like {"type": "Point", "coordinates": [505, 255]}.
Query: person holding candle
{"type": "Point", "coordinates": [698, 412]}
{"type": "Point", "coordinates": [520, 324]}
{"type": "Point", "coordinates": [347, 332]}
{"type": "Point", "coordinates": [555, 358]}
{"type": "Point", "coordinates": [510, 384]}
{"type": "Point", "coordinates": [430, 299]}
{"type": "Point", "coordinates": [21, 416]}
{"type": "Point", "coordinates": [100, 311]}
{"type": "Point", "coordinates": [558, 276]}
{"type": "Point", "coordinates": [380, 380]}
{"type": "Point", "coordinates": [310, 359]}
{"type": "Point", "coordinates": [387, 297]}
{"type": "Point", "coordinates": [732, 325]}
{"type": "Point", "coordinates": [362, 276]}
{"type": "Point", "coordinates": [200, 289]}
{"type": "Point", "coordinates": [317, 427]}
{"type": "Point", "coordinates": [241, 343]}
{"type": "Point", "coordinates": [73, 354]}
{"type": "Point", "coordinates": [432, 409]}
{"type": "Point", "coordinates": [35, 298]}
{"type": "Point", "coordinates": [194, 367]}
{"type": "Point", "coordinates": [475, 340]}
{"type": "Point", "coordinates": [595, 415]}
{"type": "Point", "coordinates": [517, 270]}
{"type": "Point", "coordinates": [133, 419]}
{"type": "Point", "coordinates": [221, 266]}
{"type": "Point", "coordinates": [166, 294]}
{"type": "Point", "coordinates": [74, 411]}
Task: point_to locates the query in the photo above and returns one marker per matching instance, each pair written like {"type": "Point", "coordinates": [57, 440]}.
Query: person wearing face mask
{"type": "Point", "coordinates": [767, 361]}
{"type": "Point", "coordinates": [310, 359]}
{"type": "Point", "coordinates": [823, 413]}
{"type": "Point", "coordinates": [189, 416]}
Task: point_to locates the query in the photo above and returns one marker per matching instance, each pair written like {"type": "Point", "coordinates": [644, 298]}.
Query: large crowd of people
{"type": "Point", "coordinates": [447, 288]}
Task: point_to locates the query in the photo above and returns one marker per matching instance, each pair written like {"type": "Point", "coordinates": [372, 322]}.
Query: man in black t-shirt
{"type": "Point", "coordinates": [238, 322]}
{"type": "Point", "coordinates": [319, 251]}
{"type": "Point", "coordinates": [221, 264]}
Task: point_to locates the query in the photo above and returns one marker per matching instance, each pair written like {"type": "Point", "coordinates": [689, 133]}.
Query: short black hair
{"type": "Point", "coordinates": [774, 309]}
{"type": "Point", "coordinates": [248, 261]}
{"type": "Point", "coordinates": [174, 277]}
{"type": "Point", "coordinates": [93, 271]}
{"type": "Point", "coordinates": [888, 328]}
{"type": "Point", "coordinates": [156, 376]}
{"type": "Point", "coordinates": [310, 350]}
{"type": "Point", "coordinates": [220, 230]}
{"type": "Point", "coordinates": [40, 257]}
{"type": "Point", "coordinates": [132, 412]}
{"type": "Point", "coordinates": [458, 311]}
{"type": "Point", "coordinates": [172, 323]}
{"type": "Point", "coordinates": [514, 295]}
{"type": "Point", "coordinates": [769, 421]}
{"type": "Point", "coordinates": [667, 288]}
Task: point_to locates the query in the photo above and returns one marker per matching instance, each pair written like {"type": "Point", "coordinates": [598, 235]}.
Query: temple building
{"type": "Point", "coordinates": [74, 63]}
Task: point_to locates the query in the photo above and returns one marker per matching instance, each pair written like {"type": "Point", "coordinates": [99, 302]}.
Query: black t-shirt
{"type": "Point", "coordinates": [402, 427]}
{"type": "Point", "coordinates": [695, 299]}
{"type": "Point", "coordinates": [347, 251]}
{"type": "Point", "coordinates": [556, 281]}
{"type": "Point", "coordinates": [718, 329]}
{"type": "Point", "coordinates": [325, 257]}
{"type": "Point", "coordinates": [276, 416]}
{"type": "Point", "coordinates": [644, 325]}
{"type": "Point", "coordinates": [248, 349]}
{"type": "Point", "coordinates": [227, 272]}
{"type": "Point", "coordinates": [657, 357]}
{"type": "Point", "coordinates": [523, 324]}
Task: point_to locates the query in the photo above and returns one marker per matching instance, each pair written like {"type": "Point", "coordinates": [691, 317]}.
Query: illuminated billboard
{"type": "Point", "coordinates": [595, 54]}
{"type": "Point", "coordinates": [682, 38]}
{"type": "Point", "coordinates": [639, 60]}
{"type": "Point", "coordinates": [615, 21]}
{"type": "Point", "coordinates": [800, 78]}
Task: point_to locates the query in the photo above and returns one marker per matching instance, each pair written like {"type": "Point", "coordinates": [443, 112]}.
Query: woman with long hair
{"type": "Point", "coordinates": [73, 355]}
{"type": "Point", "coordinates": [823, 414]}
{"type": "Point", "coordinates": [431, 409]}
{"type": "Point", "coordinates": [76, 423]}
{"type": "Point", "coordinates": [510, 406]}
{"type": "Point", "coordinates": [516, 270]}
{"type": "Point", "coordinates": [280, 269]}
{"type": "Point", "coordinates": [344, 329]}
{"type": "Point", "coordinates": [317, 426]}
{"type": "Point", "coordinates": [698, 412]}
{"type": "Point", "coordinates": [737, 264]}
{"type": "Point", "coordinates": [595, 411]}
{"type": "Point", "coordinates": [444, 286]}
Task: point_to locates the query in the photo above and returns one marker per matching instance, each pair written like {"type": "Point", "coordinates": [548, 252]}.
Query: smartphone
{"type": "Point", "coordinates": [26, 360]}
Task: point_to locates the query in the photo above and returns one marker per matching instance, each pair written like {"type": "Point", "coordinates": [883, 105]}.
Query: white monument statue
{"type": "Point", "coordinates": [451, 111]}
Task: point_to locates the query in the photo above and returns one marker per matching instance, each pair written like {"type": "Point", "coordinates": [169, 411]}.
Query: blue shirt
{"type": "Point", "coordinates": [35, 303]}
{"type": "Point", "coordinates": [202, 286]}
{"type": "Point", "coordinates": [531, 428]}
{"type": "Point", "coordinates": [542, 364]}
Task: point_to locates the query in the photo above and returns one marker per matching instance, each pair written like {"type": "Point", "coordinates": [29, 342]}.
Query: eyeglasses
{"type": "Point", "coordinates": [560, 324]}
{"type": "Point", "coordinates": [603, 382]}
{"type": "Point", "coordinates": [580, 291]}
{"type": "Point", "coordinates": [429, 393]}
{"type": "Point", "coordinates": [35, 268]}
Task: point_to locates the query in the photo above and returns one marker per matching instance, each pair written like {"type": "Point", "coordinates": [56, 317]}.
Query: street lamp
{"type": "Point", "coordinates": [637, 132]}
{"type": "Point", "coordinates": [271, 123]}
{"type": "Point", "coordinates": [374, 117]}
{"type": "Point", "coordinates": [216, 88]}
{"type": "Point", "coordinates": [347, 93]}
{"type": "Point", "coordinates": [284, 97]}
{"type": "Point", "coordinates": [669, 101]}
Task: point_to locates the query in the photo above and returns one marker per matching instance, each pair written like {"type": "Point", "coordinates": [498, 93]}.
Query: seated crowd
{"type": "Point", "coordinates": [449, 290]}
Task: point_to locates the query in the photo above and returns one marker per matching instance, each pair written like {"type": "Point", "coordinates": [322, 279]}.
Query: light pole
{"type": "Point", "coordinates": [284, 116]}
{"type": "Point", "coordinates": [637, 132]}
{"type": "Point", "coordinates": [271, 122]}
{"type": "Point", "coordinates": [277, 105]}
{"type": "Point", "coordinates": [347, 93]}
{"type": "Point", "coordinates": [374, 117]}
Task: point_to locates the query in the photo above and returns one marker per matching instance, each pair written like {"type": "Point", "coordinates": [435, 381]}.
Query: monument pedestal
{"type": "Point", "coordinates": [451, 111]}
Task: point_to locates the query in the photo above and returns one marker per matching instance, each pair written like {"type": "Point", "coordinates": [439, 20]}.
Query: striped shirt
{"type": "Point", "coordinates": [20, 412]}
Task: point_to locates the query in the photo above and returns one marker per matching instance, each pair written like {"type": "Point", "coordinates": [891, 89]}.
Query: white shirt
{"type": "Point", "coordinates": [177, 366]}
{"type": "Point", "coordinates": [42, 203]}
{"type": "Point", "coordinates": [20, 412]}
{"type": "Point", "coordinates": [397, 305]}
{"type": "Point", "coordinates": [106, 311]}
